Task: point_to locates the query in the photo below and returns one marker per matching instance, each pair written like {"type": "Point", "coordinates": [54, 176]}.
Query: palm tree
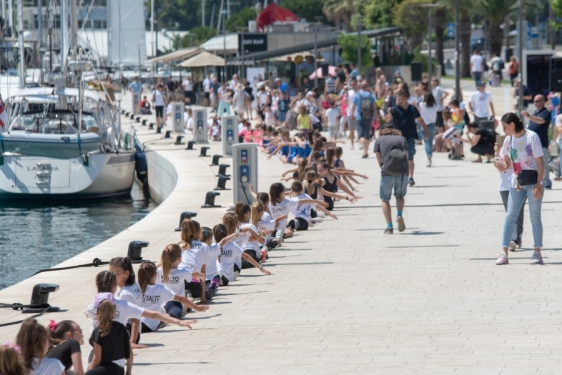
{"type": "Point", "coordinates": [439, 22]}
{"type": "Point", "coordinates": [464, 27]}
{"type": "Point", "coordinates": [340, 11]}
{"type": "Point", "coordinates": [495, 12]}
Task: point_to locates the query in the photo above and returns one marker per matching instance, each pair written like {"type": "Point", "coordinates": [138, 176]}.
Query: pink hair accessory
{"type": "Point", "coordinates": [52, 325]}
{"type": "Point", "coordinates": [13, 346]}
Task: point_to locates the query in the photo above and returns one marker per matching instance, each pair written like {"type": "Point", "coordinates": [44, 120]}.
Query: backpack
{"type": "Point", "coordinates": [396, 161]}
{"type": "Point", "coordinates": [366, 107]}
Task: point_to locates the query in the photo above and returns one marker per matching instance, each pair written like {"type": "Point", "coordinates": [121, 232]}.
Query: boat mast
{"type": "Point", "coordinates": [21, 45]}
{"type": "Point", "coordinates": [64, 36]}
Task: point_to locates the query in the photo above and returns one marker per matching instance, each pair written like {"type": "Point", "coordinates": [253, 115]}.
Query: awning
{"type": "Point", "coordinates": [218, 43]}
{"type": "Point", "coordinates": [174, 56]}
{"type": "Point", "coordinates": [309, 47]}
{"type": "Point", "coordinates": [203, 59]}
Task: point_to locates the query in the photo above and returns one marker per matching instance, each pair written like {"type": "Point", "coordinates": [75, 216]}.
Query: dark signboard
{"type": "Point", "coordinates": [256, 42]}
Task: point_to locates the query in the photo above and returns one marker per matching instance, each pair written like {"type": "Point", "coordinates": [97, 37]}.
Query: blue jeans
{"type": "Point", "coordinates": [514, 205]}
{"type": "Point", "coordinates": [432, 129]}
{"type": "Point", "coordinates": [477, 76]}
{"type": "Point", "coordinates": [397, 183]}
{"type": "Point", "coordinates": [411, 143]}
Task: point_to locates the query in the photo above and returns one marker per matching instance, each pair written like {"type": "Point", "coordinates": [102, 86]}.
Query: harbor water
{"type": "Point", "coordinates": [36, 236]}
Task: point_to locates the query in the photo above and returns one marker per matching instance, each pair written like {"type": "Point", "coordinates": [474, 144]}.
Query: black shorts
{"type": "Point", "coordinates": [439, 120]}
{"type": "Point", "coordinates": [159, 111]}
{"type": "Point", "coordinates": [207, 95]}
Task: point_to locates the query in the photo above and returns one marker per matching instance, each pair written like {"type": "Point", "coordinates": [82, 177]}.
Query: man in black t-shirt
{"type": "Point", "coordinates": [404, 116]}
{"type": "Point", "coordinates": [539, 122]}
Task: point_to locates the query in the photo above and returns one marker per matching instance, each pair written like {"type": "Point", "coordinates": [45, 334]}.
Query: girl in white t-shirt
{"type": "Point", "coordinates": [193, 256]}
{"type": "Point", "coordinates": [170, 275]}
{"type": "Point", "coordinates": [130, 291]}
{"type": "Point", "coordinates": [157, 297]}
{"type": "Point", "coordinates": [280, 206]}
{"type": "Point", "coordinates": [33, 341]}
{"type": "Point", "coordinates": [252, 242]}
{"type": "Point", "coordinates": [229, 252]}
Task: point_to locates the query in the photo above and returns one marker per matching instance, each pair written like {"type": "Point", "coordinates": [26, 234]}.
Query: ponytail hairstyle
{"type": "Point", "coordinates": [511, 117]}
{"type": "Point", "coordinates": [127, 266]}
{"type": "Point", "coordinates": [276, 191]}
{"type": "Point", "coordinates": [339, 152]}
{"type": "Point", "coordinates": [32, 339]}
{"type": "Point", "coordinates": [330, 154]}
{"type": "Point", "coordinates": [147, 271]}
{"type": "Point", "coordinates": [231, 222]}
{"type": "Point", "coordinates": [106, 282]}
{"type": "Point", "coordinates": [105, 313]}
{"type": "Point", "coordinates": [241, 209]}
{"type": "Point", "coordinates": [220, 231]}
{"type": "Point", "coordinates": [57, 331]}
{"type": "Point", "coordinates": [169, 256]}
{"type": "Point", "coordinates": [301, 167]}
{"type": "Point", "coordinates": [189, 232]}
{"type": "Point", "coordinates": [312, 178]}
{"type": "Point", "coordinates": [263, 198]}
{"type": "Point", "coordinates": [206, 233]}
{"type": "Point", "coordinates": [327, 167]}
{"type": "Point", "coordinates": [11, 360]}
{"type": "Point", "coordinates": [257, 213]}
{"type": "Point", "coordinates": [318, 146]}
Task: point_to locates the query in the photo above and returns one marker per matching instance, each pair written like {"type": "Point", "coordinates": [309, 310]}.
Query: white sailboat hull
{"type": "Point", "coordinates": [106, 175]}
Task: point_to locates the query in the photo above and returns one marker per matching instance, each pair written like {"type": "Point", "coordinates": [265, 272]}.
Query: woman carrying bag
{"type": "Point", "coordinates": [522, 152]}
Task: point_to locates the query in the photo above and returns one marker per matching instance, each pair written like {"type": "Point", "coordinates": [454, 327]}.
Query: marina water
{"type": "Point", "coordinates": [36, 236]}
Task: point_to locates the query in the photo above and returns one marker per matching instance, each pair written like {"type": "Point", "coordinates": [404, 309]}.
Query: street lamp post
{"type": "Point", "coordinates": [520, 56]}
{"type": "Point", "coordinates": [224, 44]}
{"type": "Point", "coordinates": [457, 53]}
{"type": "Point", "coordinates": [315, 58]}
{"type": "Point", "coordinates": [242, 30]}
{"type": "Point", "coordinates": [429, 63]}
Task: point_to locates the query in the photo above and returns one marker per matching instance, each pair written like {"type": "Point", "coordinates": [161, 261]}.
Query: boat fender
{"type": "Point", "coordinates": [141, 166]}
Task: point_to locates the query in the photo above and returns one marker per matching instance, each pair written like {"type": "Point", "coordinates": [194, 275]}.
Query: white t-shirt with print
{"type": "Point", "coordinates": [476, 61]}
{"type": "Point", "coordinates": [283, 208]}
{"type": "Point", "coordinates": [176, 280]}
{"type": "Point", "coordinates": [153, 299]}
{"type": "Point", "coordinates": [523, 152]}
{"type": "Point", "coordinates": [193, 259]}
{"type": "Point", "coordinates": [131, 294]}
{"type": "Point", "coordinates": [350, 100]}
{"type": "Point", "coordinates": [123, 312]}
{"type": "Point", "coordinates": [480, 102]}
{"type": "Point", "coordinates": [303, 210]}
{"type": "Point", "coordinates": [228, 257]}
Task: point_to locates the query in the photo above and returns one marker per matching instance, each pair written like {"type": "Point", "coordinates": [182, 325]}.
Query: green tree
{"type": "Point", "coordinates": [379, 13]}
{"type": "Point", "coordinates": [240, 19]}
{"type": "Point", "coordinates": [340, 12]}
{"type": "Point", "coordinates": [413, 18]}
{"type": "Point", "coordinates": [200, 35]}
{"type": "Point", "coordinates": [439, 23]}
{"type": "Point", "coordinates": [309, 9]}
{"type": "Point", "coordinates": [348, 44]}
{"type": "Point", "coordinates": [465, 29]}
{"type": "Point", "coordinates": [495, 11]}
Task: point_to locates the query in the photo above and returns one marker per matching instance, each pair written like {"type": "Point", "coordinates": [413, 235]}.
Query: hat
{"type": "Point", "coordinates": [309, 93]}
{"type": "Point", "coordinates": [100, 297]}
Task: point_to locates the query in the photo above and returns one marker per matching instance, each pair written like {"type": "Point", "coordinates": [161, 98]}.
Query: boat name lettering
{"type": "Point", "coordinates": [42, 168]}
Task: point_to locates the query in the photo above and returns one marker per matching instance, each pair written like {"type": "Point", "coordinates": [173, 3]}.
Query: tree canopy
{"type": "Point", "coordinates": [307, 9]}
{"type": "Point", "coordinates": [240, 19]}
{"type": "Point", "coordinates": [348, 44]}
{"type": "Point", "coordinates": [199, 34]}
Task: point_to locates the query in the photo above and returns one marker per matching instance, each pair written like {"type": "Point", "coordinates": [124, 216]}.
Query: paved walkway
{"type": "Point", "coordinates": [344, 298]}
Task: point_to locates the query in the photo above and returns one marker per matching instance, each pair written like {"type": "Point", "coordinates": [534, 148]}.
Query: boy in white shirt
{"type": "Point", "coordinates": [332, 119]}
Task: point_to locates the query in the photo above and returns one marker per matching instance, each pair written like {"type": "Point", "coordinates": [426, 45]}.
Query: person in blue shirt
{"type": "Point", "coordinates": [135, 87]}
{"type": "Point", "coordinates": [539, 122]}
{"type": "Point", "coordinates": [364, 109]}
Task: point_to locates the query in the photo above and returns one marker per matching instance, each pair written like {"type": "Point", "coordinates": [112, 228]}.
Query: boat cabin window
{"type": "Point", "coordinates": [53, 123]}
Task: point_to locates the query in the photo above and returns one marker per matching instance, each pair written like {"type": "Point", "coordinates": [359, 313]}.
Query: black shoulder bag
{"type": "Point", "coordinates": [527, 176]}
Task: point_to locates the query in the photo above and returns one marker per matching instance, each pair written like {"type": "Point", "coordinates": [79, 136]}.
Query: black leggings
{"type": "Point", "coordinates": [194, 288]}
{"type": "Point", "coordinates": [129, 327]}
{"type": "Point", "coordinates": [252, 253]}
{"type": "Point", "coordinates": [301, 224]}
{"type": "Point", "coordinates": [108, 368]}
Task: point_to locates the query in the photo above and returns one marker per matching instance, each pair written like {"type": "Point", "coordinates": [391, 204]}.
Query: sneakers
{"type": "Point", "coordinates": [388, 231]}
{"type": "Point", "coordinates": [263, 255]}
{"type": "Point", "coordinates": [502, 259]}
{"type": "Point", "coordinates": [365, 156]}
{"type": "Point", "coordinates": [316, 220]}
{"type": "Point", "coordinates": [512, 246]}
{"type": "Point", "coordinates": [537, 258]}
{"type": "Point", "coordinates": [401, 225]}
{"type": "Point", "coordinates": [428, 163]}
{"type": "Point", "coordinates": [411, 182]}
{"type": "Point", "coordinates": [352, 147]}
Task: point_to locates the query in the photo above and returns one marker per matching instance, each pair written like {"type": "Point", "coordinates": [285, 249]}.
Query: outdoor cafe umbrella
{"type": "Point", "coordinates": [202, 60]}
{"type": "Point", "coordinates": [331, 71]}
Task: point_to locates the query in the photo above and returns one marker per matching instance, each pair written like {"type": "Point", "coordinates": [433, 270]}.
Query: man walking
{"type": "Point", "coordinates": [539, 122]}
{"type": "Point", "coordinates": [479, 102]}
{"type": "Point", "coordinates": [404, 116]}
{"type": "Point", "coordinates": [476, 67]}
{"type": "Point", "coordinates": [135, 87]}
{"type": "Point", "coordinates": [392, 155]}
{"type": "Point", "coordinates": [497, 66]}
{"type": "Point", "coordinates": [351, 121]}
{"type": "Point", "coordinates": [364, 110]}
